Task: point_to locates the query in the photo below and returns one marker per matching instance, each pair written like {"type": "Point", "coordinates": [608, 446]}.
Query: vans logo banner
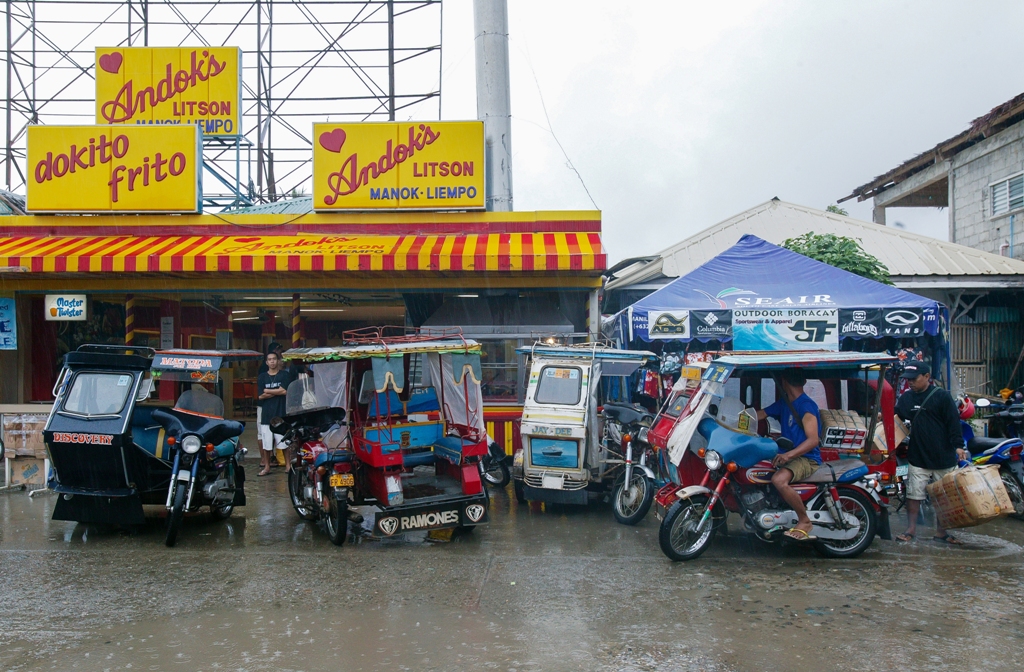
{"type": "Point", "coordinates": [902, 322]}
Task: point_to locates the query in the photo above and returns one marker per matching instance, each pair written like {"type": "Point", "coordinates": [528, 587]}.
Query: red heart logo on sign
{"type": "Point", "coordinates": [333, 141]}
{"type": "Point", "coordinates": [111, 62]}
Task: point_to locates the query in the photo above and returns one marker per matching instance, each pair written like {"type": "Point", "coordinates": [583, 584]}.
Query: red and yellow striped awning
{"type": "Point", "coordinates": [514, 252]}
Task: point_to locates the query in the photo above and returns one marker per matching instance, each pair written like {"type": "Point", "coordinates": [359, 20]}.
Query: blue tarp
{"type": "Point", "coordinates": [765, 297]}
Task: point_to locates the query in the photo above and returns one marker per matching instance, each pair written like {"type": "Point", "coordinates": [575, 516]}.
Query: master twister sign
{"type": "Point", "coordinates": [198, 86]}
{"type": "Point", "coordinates": [398, 166]}
{"type": "Point", "coordinates": [103, 169]}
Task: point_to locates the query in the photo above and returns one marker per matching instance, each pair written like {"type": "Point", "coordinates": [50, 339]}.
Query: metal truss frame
{"type": "Point", "coordinates": [303, 61]}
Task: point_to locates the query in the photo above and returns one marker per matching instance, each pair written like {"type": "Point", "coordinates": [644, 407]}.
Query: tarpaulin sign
{"type": "Point", "coordinates": [786, 329]}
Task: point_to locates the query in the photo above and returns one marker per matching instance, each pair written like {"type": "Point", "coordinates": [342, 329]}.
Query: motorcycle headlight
{"type": "Point", "coordinates": [712, 460]}
{"type": "Point", "coordinates": [642, 434]}
{"type": "Point", "coordinates": [191, 444]}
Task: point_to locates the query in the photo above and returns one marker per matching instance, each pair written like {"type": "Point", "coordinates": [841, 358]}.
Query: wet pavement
{"type": "Point", "coordinates": [540, 588]}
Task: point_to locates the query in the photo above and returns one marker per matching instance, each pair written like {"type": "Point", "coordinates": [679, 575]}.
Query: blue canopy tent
{"type": "Point", "coordinates": [760, 296]}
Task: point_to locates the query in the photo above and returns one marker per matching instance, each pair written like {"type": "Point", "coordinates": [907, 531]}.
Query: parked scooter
{"type": "Point", "coordinates": [842, 498]}
{"type": "Point", "coordinates": [625, 436]}
{"type": "Point", "coordinates": [205, 469]}
{"type": "Point", "coordinates": [1009, 416]}
{"type": "Point", "coordinates": [320, 476]}
{"type": "Point", "coordinates": [1005, 452]}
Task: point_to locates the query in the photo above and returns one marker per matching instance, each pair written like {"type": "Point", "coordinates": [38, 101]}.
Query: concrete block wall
{"type": "Point", "coordinates": [972, 172]}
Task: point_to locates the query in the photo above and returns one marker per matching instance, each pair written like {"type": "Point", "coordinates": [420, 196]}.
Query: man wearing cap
{"type": "Point", "coordinates": [936, 442]}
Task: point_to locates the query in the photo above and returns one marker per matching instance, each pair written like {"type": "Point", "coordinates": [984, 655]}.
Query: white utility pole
{"type": "Point", "coordinates": [493, 99]}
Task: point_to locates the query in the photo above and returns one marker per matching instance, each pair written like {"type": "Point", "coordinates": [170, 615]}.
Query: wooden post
{"type": "Point", "coordinates": [296, 321]}
{"type": "Point", "coordinates": [129, 320]}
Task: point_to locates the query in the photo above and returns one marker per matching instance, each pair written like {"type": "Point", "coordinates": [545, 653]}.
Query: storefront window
{"type": "Point", "coordinates": [499, 365]}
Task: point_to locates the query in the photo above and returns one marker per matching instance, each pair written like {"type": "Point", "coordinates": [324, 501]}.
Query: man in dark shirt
{"type": "Point", "coordinates": [275, 348]}
{"type": "Point", "coordinates": [271, 388]}
{"type": "Point", "coordinates": [936, 442]}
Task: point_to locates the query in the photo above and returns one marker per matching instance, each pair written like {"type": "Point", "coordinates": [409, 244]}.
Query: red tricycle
{"type": "Point", "coordinates": [411, 436]}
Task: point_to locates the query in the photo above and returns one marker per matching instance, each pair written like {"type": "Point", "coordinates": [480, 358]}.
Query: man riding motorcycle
{"type": "Point", "coordinates": [798, 415]}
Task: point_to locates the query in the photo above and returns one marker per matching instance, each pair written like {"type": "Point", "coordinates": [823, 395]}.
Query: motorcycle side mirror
{"type": "Point", "coordinates": [278, 426]}
{"type": "Point", "coordinates": [983, 403]}
{"type": "Point", "coordinates": [784, 444]}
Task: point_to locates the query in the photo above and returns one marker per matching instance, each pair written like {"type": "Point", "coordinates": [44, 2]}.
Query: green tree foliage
{"type": "Point", "coordinates": [836, 209]}
{"type": "Point", "coordinates": [841, 252]}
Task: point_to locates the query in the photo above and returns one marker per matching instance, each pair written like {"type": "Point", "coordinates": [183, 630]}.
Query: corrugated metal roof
{"type": "Point", "coordinates": [302, 205]}
{"type": "Point", "coordinates": [904, 254]}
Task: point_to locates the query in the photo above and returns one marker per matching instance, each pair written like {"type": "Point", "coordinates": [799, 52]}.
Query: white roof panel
{"type": "Point", "coordinates": [904, 254]}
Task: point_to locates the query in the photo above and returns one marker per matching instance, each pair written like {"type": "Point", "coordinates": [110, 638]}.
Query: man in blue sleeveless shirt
{"type": "Point", "coordinates": [804, 458]}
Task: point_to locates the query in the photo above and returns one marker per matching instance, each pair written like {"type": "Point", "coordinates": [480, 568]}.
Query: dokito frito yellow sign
{"type": "Point", "coordinates": [415, 165]}
{"type": "Point", "coordinates": [198, 86]}
{"type": "Point", "coordinates": [114, 168]}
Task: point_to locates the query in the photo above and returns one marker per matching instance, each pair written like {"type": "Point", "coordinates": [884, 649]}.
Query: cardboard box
{"type": "Point", "coordinates": [969, 496]}
{"type": "Point", "coordinates": [843, 430]}
{"type": "Point", "coordinates": [23, 435]}
{"type": "Point", "coordinates": [30, 472]}
{"type": "Point", "coordinates": [900, 432]}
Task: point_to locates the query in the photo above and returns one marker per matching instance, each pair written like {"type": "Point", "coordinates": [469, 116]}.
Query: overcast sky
{"type": "Point", "coordinates": [680, 114]}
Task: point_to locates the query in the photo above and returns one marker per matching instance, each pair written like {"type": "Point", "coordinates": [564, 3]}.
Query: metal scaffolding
{"type": "Point", "coordinates": [303, 61]}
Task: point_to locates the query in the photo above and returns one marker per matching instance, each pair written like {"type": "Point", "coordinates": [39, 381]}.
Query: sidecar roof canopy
{"type": "Point", "coordinates": [832, 363]}
{"type": "Point", "coordinates": [199, 360]}
{"type": "Point", "coordinates": [363, 351]}
{"type": "Point", "coordinates": [586, 351]}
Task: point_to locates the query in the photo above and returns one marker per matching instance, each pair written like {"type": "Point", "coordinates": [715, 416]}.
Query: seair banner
{"type": "Point", "coordinates": [786, 329]}
{"type": "Point", "coordinates": [104, 169]}
{"type": "Point", "coordinates": [197, 86]}
{"type": "Point", "coordinates": [436, 165]}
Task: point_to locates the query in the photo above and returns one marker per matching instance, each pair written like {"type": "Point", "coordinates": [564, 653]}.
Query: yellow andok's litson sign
{"type": "Point", "coordinates": [198, 86]}
{"type": "Point", "coordinates": [409, 166]}
{"type": "Point", "coordinates": [114, 169]}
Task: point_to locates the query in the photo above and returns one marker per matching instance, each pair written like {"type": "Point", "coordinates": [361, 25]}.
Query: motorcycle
{"type": "Point", "coordinates": [841, 497]}
{"type": "Point", "coordinates": [633, 489]}
{"type": "Point", "coordinates": [1009, 416]}
{"type": "Point", "coordinates": [1005, 452]}
{"type": "Point", "coordinates": [205, 470]}
{"type": "Point", "coordinates": [494, 466]}
{"type": "Point", "coordinates": [320, 476]}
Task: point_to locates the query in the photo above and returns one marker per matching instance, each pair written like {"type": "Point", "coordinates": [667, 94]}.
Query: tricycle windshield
{"type": "Point", "coordinates": [321, 387]}
{"type": "Point", "coordinates": [200, 400]}
{"type": "Point", "coordinates": [559, 385]}
{"type": "Point", "coordinates": [96, 393]}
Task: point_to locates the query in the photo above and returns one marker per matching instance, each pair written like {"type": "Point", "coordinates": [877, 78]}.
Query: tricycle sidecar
{"type": "Point", "coordinates": [111, 456]}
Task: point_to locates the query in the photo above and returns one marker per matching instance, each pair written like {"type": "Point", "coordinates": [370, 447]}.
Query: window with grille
{"type": "Point", "coordinates": [1008, 195]}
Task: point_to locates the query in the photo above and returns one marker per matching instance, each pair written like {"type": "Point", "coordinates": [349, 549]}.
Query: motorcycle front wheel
{"type": "Point", "coordinates": [1016, 493]}
{"type": "Point", "coordinates": [336, 520]}
{"type": "Point", "coordinates": [857, 504]}
{"type": "Point", "coordinates": [678, 534]}
{"type": "Point", "coordinates": [177, 511]}
{"type": "Point", "coordinates": [631, 502]}
{"type": "Point", "coordinates": [296, 488]}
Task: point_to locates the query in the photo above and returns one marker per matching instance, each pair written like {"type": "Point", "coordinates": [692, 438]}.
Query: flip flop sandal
{"type": "Point", "coordinates": [795, 535]}
{"type": "Point", "coordinates": [265, 472]}
{"type": "Point", "coordinates": [905, 537]}
{"type": "Point", "coordinates": [949, 540]}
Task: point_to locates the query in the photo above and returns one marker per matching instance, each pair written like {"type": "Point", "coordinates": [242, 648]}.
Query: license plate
{"type": "Point", "coordinates": [551, 482]}
{"type": "Point", "coordinates": [902, 470]}
{"type": "Point", "coordinates": [342, 480]}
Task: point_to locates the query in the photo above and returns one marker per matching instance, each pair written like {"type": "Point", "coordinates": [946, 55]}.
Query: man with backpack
{"type": "Point", "coordinates": [936, 442]}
